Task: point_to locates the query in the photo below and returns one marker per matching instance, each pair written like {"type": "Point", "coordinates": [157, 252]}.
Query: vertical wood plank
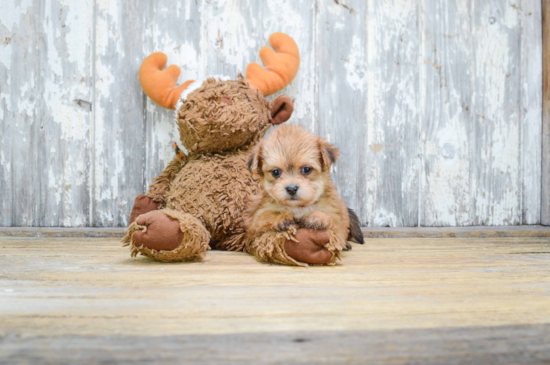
{"type": "Point", "coordinates": [446, 71]}
{"type": "Point", "coordinates": [531, 109]}
{"type": "Point", "coordinates": [393, 147]}
{"type": "Point", "coordinates": [47, 112]}
{"type": "Point", "coordinates": [18, 39]}
{"type": "Point", "coordinates": [468, 72]}
{"type": "Point", "coordinates": [119, 122]}
{"type": "Point", "coordinates": [545, 201]}
{"type": "Point", "coordinates": [342, 93]}
{"type": "Point", "coordinates": [496, 179]}
{"type": "Point", "coordinates": [66, 112]}
{"type": "Point", "coordinates": [236, 30]}
{"type": "Point", "coordinates": [175, 29]}
{"type": "Point", "coordinates": [545, 155]}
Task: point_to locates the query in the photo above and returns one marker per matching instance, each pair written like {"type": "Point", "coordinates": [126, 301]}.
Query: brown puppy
{"type": "Point", "coordinates": [294, 170]}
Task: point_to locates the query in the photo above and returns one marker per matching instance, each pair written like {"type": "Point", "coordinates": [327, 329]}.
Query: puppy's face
{"type": "Point", "coordinates": [293, 165]}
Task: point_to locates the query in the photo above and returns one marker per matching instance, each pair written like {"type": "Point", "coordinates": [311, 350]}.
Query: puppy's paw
{"type": "Point", "coordinates": [316, 220]}
{"type": "Point", "coordinates": [284, 224]}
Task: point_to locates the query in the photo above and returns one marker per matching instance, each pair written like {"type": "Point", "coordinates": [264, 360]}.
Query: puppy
{"type": "Point", "coordinates": [293, 166]}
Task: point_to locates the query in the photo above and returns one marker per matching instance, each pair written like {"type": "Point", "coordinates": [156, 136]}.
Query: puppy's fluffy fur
{"type": "Point", "coordinates": [293, 166]}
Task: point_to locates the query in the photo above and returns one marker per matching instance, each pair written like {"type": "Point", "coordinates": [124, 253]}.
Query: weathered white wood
{"type": "Point", "coordinates": [435, 105]}
{"type": "Point", "coordinates": [496, 125]}
{"type": "Point", "coordinates": [530, 69]}
{"type": "Point", "coordinates": [46, 95]}
{"type": "Point", "coordinates": [480, 188]}
{"type": "Point", "coordinates": [66, 113]}
{"type": "Point", "coordinates": [175, 29]}
{"type": "Point", "coordinates": [341, 78]}
{"type": "Point", "coordinates": [16, 39]}
{"type": "Point", "coordinates": [236, 30]}
{"type": "Point", "coordinates": [120, 105]}
{"type": "Point", "coordinates": [446, 68]}
{"type": "Point", "coordinates": [545, 173]}
{"type": "Point", "coordinates": [392, 146]}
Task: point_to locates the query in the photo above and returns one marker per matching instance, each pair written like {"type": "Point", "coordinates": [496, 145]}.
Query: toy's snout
{"type": "Point", "coordinates": [281, 109]}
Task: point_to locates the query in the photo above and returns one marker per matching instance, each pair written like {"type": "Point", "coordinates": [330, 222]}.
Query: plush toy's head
{"type": "Point", "coordinates": [223, 115]}
{"type": "Point", "coordinates": [219, 114]}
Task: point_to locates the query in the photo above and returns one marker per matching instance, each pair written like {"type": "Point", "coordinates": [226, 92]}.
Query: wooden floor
{"type": "Point", "coordinates": [393, 300]}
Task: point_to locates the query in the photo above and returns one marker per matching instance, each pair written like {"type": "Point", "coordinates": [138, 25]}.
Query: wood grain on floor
{"type": "Point", "coordinates": [426, 300]}
{"type": "Point", "coordinates": [369, 232]}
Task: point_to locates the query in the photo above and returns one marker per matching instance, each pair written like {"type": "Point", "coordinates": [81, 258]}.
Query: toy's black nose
{"type": "Point", "coordinates": [292, 189]}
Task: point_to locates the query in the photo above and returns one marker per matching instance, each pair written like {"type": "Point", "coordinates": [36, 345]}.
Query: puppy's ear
{"type": "Point", "coordinates": [329, 153]}
{"type": "Point", "coordinates": [254, 163]}
{"type": "Point", "coordinates": [281, 109]}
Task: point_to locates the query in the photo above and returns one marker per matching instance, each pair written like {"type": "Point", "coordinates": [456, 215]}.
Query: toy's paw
{"type": "Point", "coordinates": [161, 232]}
{"type": "Point", "coordinates": [284, 224]}
{"type": "Point", "coordinates": [143, 204]}
{"type": "Point", "coordinates": [316, 220]}
{"type": "Point", "coordinates": [310, 246]}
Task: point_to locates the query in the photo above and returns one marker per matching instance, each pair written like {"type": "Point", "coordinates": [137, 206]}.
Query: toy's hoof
{"type": "Point", "coordinates": [162, 232]}
{"type": "Point", "coordinates": [143, 204]}
{"type": "Point", "coordinates": [310, 246]}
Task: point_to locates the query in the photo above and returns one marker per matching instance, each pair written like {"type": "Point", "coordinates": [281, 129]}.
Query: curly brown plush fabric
{"type": "Point", "coordinates": [208, 123]}
{"type": "Point", "coordinates": [202, 198]}
{"type": "Point", "coordinates": [143, 204]}
{"type": "Point", "coordinates": [218, 122]}
{"type": "Point", "coordinates": [161, 184]}
{"type": "Point", "coordinates": [215, 189]}
{"type": "Point", "coordinates": [271, 247]}
{"type": "Point", "coordinates": [193, 237]}
{"type": "Point", "coordinates": [298, 247]}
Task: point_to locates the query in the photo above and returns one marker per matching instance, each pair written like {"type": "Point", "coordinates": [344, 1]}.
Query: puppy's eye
{"type": "Point", "coordinates": [306, 170]}
{"type": "Point", "coordinates": [276, 173]}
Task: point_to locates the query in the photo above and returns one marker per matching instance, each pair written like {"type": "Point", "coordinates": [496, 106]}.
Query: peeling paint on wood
{"type": "Point", "coordinates": [446, 70]}
{"type": "Point", "coordinates": [341, 74]}
{"type": "Point", "coordinates": [236, 30]}
{"type": "Point", "coordinates": [545, 173]}
{"type": "Point", "coordinates": [45, 65]}
{"type": "Point", "coordinates": [119, 124]}
{"type": "Point", "coordinates": [435, 105]}
{"type": "Point", "coordinates": [393, 105]}
{"type": "Point", "coordinates": [496, 126]}
{"type": "Point", "coordinates": [530, 14]}
{"type": "Point", "coordinates": [173, 28]}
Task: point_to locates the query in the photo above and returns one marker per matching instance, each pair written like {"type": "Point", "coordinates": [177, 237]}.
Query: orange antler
{"type": "Point", "coordinates": [159, 84]}
{"type": "Point", "coordinates": [281, 67]}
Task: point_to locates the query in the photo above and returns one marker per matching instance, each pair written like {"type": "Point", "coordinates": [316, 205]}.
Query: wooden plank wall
{"type": "Point", "coordinates": [436, 105]}
{"type": "Point", "coordinates": [545, 207]}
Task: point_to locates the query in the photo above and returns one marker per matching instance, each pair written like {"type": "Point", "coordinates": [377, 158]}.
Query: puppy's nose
{"type": "Point", "coordinates": [292, 189]}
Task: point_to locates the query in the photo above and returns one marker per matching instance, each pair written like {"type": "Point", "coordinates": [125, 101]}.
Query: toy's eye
{"type": "Point", "coordinates": [306, 170]}
{"type": "Point", "coordinates": [276, 173]}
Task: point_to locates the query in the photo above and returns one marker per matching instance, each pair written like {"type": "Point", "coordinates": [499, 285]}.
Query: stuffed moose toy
{"type": "Point", "coordinates": [198, 201]}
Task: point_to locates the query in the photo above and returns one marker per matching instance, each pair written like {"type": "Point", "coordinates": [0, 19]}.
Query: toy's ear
{"type": "Point", "coordinates": [329, 153]}
{"type": "Point", "coordinates": [159, 84]}
{"type": "Point", "coordinates": [255, 160]}
{"type": "Point", "coordinates": [281, 109]}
